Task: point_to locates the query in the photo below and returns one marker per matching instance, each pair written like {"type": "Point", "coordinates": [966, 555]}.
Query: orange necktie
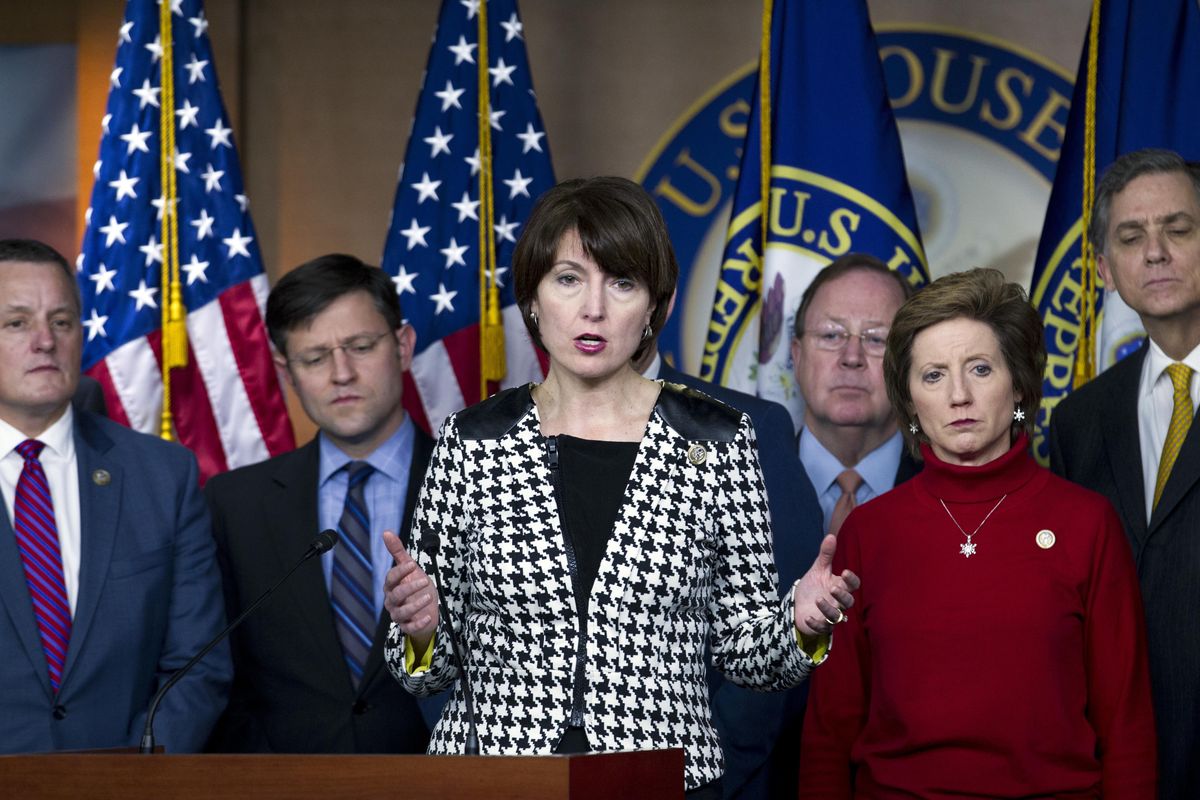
{"type": "Point", "coordinates": [849, 481]}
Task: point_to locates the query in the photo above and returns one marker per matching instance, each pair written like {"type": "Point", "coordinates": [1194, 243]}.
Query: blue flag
{"type": "Point", "coordinates": [226, 401]}
{"type": "Point", "coordinates": [1147, 90]}
{"type": "Point", "coordinates": [433, 241]}
{"type": "Point", "coordinates": [837, 185]}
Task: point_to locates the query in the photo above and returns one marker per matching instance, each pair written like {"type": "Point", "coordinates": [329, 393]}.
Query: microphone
{"type": "Point", "coordinates": [430, 543]}
{"type": "Point", "coordinates": [324, 542]}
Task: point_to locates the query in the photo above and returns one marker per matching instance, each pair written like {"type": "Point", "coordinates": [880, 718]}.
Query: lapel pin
{"type": "Point", "coordinates": [1045, 539]}
{"type": "Point", "coordinates": [100, 477]}
{"type": "Point", "coordinates": [696, 454]}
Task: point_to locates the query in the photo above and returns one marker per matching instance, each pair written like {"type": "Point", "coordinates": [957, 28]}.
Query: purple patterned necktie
{"type": "Point", "coordinates": [37, 540]}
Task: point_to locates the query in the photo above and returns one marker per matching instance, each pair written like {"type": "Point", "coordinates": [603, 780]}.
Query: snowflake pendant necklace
{"type": "Point", "coordinates": [969, 548]}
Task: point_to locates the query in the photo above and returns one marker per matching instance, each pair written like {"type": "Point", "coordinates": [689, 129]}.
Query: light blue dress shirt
{"type": "Point", "coordinates": [877, 470]}
{"type": "Point", "coordinates": [386, 492]}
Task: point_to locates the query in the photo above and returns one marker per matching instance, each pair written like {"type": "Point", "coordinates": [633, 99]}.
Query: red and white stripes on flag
{"type": "Point", "coordinates": [226, 402]}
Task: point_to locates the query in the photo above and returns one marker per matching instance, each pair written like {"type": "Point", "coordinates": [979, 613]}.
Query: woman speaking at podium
{"type": "Point", "coordinates": [597, 530]}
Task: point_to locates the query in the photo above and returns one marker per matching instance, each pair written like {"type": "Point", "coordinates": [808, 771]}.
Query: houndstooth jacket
{"type": "Point", "coordinates": [689, 558]}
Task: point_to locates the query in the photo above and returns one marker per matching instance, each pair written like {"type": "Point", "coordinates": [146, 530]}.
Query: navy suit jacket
{"type": "Point", "coordinates": [292, 691]}
{"type": "Point", "coordinates": [149, 599]}
{"type": "Point", "coordinates": [1094, 441]}
{"type": "Point", "coordinates": [750, 723]}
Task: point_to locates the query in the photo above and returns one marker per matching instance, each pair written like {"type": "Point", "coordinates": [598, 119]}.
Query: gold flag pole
{"type": "Point", "coordinates": [174, 326]}
{"type": "Point", "coordinates": [492, 366]}
{"type": "Point", "coordinates": [1085, 352]}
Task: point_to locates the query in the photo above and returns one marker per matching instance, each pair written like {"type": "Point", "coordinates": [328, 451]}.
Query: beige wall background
{"type": "Point", "coordinates": [321, 92]}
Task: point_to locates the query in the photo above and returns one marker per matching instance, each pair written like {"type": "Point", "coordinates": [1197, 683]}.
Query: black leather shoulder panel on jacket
{"type": "Point", "coordinates": [696, 416]}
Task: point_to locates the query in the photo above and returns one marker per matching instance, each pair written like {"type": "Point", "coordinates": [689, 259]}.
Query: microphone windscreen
{"type": "Point", "coordinates": [325, 540]}
{"type": "Point", "coordinates": [430, 543]}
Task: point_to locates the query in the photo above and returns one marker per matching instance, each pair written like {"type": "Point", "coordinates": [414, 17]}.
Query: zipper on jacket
{"type": "Point", "coordinates": [577, 690]}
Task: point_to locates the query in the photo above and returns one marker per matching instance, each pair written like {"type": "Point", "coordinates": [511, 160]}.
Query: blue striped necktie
{"type": "Point", "coordinates": [352, 589]}
{"type": "Point", "coordinates": [37, 541]}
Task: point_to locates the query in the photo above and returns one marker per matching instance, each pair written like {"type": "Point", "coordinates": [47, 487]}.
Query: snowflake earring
{"type": "Point", "coordinates": [1018, 415]}
{"type": "Point", "coordinates": [913, 427]}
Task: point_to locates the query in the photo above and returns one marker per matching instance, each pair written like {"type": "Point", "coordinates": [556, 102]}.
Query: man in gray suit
{"type": "Point", "coordinates": [1128, 434]}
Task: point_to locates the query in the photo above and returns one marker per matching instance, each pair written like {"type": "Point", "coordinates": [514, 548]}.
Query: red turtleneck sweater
{"type": "Point", "coordinates": [1017, 672]}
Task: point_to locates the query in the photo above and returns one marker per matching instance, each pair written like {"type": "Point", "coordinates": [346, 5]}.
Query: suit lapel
{"type": "Point", "coordinates": [1119, 428]}
{"type": "Point", "coordinates": [100, 489]}
{"type": "Point", "coordinates": [14, 596]}
{"type": "Point", "coordinates": [421, 450]}
{"type": "Point", "coordinates": [294, 485]}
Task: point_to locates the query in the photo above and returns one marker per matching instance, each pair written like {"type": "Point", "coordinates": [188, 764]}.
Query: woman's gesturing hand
{"type": "Point", "coordinates": [409, 595]}
{"type": "Point", "coordinates": [822, 597]}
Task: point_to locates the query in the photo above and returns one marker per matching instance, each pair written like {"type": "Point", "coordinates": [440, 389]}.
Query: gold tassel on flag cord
{"type": "Point", "coordinates": [1085, 351]}
{"type": "Point", "coordinates": [764, 127]}
{"type": "Point", "coordinates": [492, 365]}
{"type": "Point", "coordinates": [174, 325]}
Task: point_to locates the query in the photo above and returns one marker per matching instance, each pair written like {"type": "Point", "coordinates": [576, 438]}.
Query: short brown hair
{"type": "Point", "coordinates": [844, 265]}
{"type": "Point", "coordinates": [310, 288]}
{"type": "Point", "coordinates": [31, 251]}
{"type": "Point", "coordinates": [619, 227]}
{"type": "Point", "coordinates": [979, 294]}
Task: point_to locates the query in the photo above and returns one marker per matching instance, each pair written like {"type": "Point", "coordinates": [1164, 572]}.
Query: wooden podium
{"type": "Point", "coordinates": [653, 774]}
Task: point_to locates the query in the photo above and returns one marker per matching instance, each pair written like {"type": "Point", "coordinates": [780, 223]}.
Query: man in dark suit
{"type": "Point", "coordinates": [1128, 433]}
{"type": "Point", "coordinates": [750, 723]}
{"type": "Point", "coordinates": [849, 444]}
{"type": "Point", "coordinates": [308, 666]}
{"type": "Point", "coordinates": [107, 568]}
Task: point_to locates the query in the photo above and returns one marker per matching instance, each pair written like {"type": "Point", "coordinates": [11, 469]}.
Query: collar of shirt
{"type": "Point", "coordinates": [1154, 370]}
{"type": "Point", "coordinates": [877, 468]}
{"type": "Point", "coordinates": [391, 458]}
{"type": "Point", "coordinates": [652, 369]}
{"type": "Point", "coordinates": [59, 437]}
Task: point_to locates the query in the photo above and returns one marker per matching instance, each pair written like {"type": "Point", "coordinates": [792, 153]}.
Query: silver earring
{"type": "Point", "coordinates": [1018, 415]}
{"type": "Point", "coordinates": [533, 316]}
{"type": "Point", "coordinates": [912, 428]}
{"type": "Point", "coordinates": [647, 332]}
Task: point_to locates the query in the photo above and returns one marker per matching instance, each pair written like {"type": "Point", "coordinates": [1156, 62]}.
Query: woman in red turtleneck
{"type": "Point", "coordinates": [1031, 681]}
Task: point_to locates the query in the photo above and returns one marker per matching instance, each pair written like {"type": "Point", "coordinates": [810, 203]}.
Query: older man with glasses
{"type": "Point", "coordinates": [849, 444]}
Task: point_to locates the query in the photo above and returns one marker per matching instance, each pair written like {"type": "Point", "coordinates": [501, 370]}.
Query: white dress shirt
{"type": "Point", "coordinates": [62, 473]}
{"type": "Point", "coordinates": [1156, 401]}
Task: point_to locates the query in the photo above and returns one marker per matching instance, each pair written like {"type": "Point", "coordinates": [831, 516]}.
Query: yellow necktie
{"type": "Point", "coordinates": [1181, 420]}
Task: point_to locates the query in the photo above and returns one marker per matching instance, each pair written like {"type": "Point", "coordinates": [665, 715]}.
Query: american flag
{"type": "Point", "coordinates": [433, 241]}
{"type": "Point", "coordinates": [227, 403]}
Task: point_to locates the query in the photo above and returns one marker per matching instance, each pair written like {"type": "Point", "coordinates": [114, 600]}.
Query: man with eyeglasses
{"type": "Point", "coordinates": [308, 665]}
{"type": "Point", "coordinates": [849, 443]}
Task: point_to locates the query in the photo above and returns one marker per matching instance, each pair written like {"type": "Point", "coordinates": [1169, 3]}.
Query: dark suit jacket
{"type": "Point", "coordinates": [147, 602]}
{"type": "Point", "coordinates": [292, 690]}
{"type": "Point", "coordinates": [1094, 441]}
{"type": "Point", "coordinates": [749, 723]}
{"type": "Point", "coordinates": [89, 397]}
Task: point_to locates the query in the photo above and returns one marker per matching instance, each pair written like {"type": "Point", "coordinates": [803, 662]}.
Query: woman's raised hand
{"type": "Point", "coordinates": [822, 597]}
{"type": "Point", "coordinates": [409, 596]}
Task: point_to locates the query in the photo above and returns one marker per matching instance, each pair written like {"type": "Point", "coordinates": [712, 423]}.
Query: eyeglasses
{"type": "Point", "coordinates": [834, 339]}
{"type": "Point", "coordinates": [357, 348]}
